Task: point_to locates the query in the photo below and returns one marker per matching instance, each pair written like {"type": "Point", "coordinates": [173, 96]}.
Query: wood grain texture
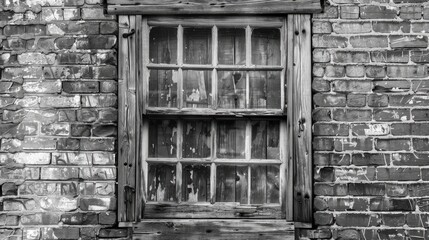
{"type": "Point", "coordinates": [214, 229]}
{"type": "Point", "coordinates": [220, 7]}
{"type": "Point", "coordinates": [299, 114]}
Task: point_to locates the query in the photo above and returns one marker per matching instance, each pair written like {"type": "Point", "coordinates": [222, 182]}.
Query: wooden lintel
{"type": "Point", "coordinates": [169, 7]}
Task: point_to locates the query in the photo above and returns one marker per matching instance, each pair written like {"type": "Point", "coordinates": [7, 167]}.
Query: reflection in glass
{"type": "Point", "coordinates": [163, 88]}
{"type": "Point", "coordinates": [196, 138]}
{"type": "Point", "coordinates": [265, 140]}
{"type": "Point", "coordinates": [197, 45]}
{"type": "Point", "coordinates": [231, 89]}
{"type": "Point", "coordinates": [266, 46]}
{"type": "Point", "coordinates": [161, 182]}
{"type": "Point", "coordinates": [232, 46]}
{"type": "Point", "coordinates": [163, 45]}
{"type": "Point", "coordinates": [231, 139]}
{"type": "Point", "coordinates": [197, 89]}
{"type": "Point", "coordinates": [265, 184]}
{"type": "Point", "coordinates": [162, 138]}
{"type": "Point", "coordinates": [265, 89]}
{"type": "Point", "coordinates": [196, 183]}
{"type": "Point", "coordinates": [232, 184]}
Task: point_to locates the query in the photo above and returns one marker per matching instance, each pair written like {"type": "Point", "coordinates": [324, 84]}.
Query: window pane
{"type": "Point", "coordinates": [196, 183]}
{"type": "Point", "coordinates": [162, 138]}
{"type": "Point", "coordinates": [231, 139]}
{"type": "Point", "coordinates": [197, 47]}
{"type": "Point", "coordinates": [163, 45]}
{"type": "Point", "coordinates": [232, 46]}
{"type": "Point", "coordinates": [266, 46]}
{"type": "Point", "coordinates": [231, 184]}
{"type": "Point", "coordinates": [196, 139]}
{"type": "Point", "coordinates": [197, 88]}
{"type": "Point", "coordinates": [163, 88]}
{"type": "Point", "coordinates": [162, 182]}
{"type": "Point", "coordinates": [231, 89]}
{"type": "Point", "coordinates": [264, 184]}
{"type": "Point", "coordinates": [265, 140]}
{"type": "Point", "coordinates": [265, 89]}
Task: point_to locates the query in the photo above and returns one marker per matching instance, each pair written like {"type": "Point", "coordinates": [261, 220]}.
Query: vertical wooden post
{"type": "Point", "coordinates": [299, 116]}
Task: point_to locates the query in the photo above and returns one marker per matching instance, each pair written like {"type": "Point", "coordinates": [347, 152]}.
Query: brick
{"type": "Point", "coordinates": [113, 233]}
{"type": "Point", "coordinates": [320, 85]}
{"type": "Point", "coordinates": [408, 41]}
{"type": "Point", "coordinates": [330, 189]}
{"type": "Point", "coordinates": [322, 218]}
{"type": "Point", "coordinates": [392, 144]}
{"type": "Point", "coordinates": [410, 12]}
{"type": "Point", "coordinates": [366, 189]}
{"type": "Point", "coordinates": [419, 189]}
{"type": "Point", "coordinates": [61, 233]}
{"type": "Point", "coordinates": [401, 129]}
{"type": "Point", "coordinates": [67, 115]}
{"type": "Point", "coordinates": [410, 159]}
{"type": "Point", "coordinates": [329, 41]}
{"type": "Point", "coordinates": [22, 72]}
{"type": "Point", "coordinates": [321, 55]}
{"type": "Point", "coordinates": [351, 86]}
{"type": "Point", "coordinates": [408, 100]}
{"type": "Point", "coordinates": [375, 72]}
{"type": "Point", "coordinates": [321, 115]}
{"type": "Point", "coordinates": [398, 174]}
{"type": "Point", "coordinates": [27, 173]}
{"type": "Point", "coordinates": [393, 220]}
{"type": "Point", "coordinates": [370, 129]}
{"type": "Point", "coordinates": [356, 100]}
{"type": "Point", "coordinates": [351, 27]}
{"type": "Point", "coordinates": [351, 144]}
{"type": "Point", "coordinates": [72, 158]}
{"type": "Point", "coordinates": [420, 144]}
{"type": "Point", "coordinates": [68, 72]}
{"type": "Point", "coordinates": [59, 173]}
{"type": "Point", "coordinates": [378, 12]}
{"type": "Point", "coordinates": [419, 27]}
{"type": "Point", "coordinates": [323, 144]}
{"type": "Point", "coordinates": [352, 115]}
{"type": "Point", "coordinates": [392, 204]}
{"type": "Point", "coordinates": [396, 190]}
{"type": "Point", "coordinates": [9, 189]}
{"type": "Point", "coordinates": [391, 56]}
{"type": "Point", "coordinates": [108, 218]}
{"type": "Point", "coordinates": [97, 204]}
{"type": "Point", "coordinates": [79, 218]}
{"type": "Point", "coordinates": [80, 130]}
{"type": "Point", "coordinates": [325, 129]}
{"type": "Point", "coordinates": [95, 14]}
{"type": "Point", "coordinates": [318, 70]}
{"type": "Point", "coordinates": [392, 114]}
{"type": "Point", "coordinates": [420, 56]}
{"type": "Point", "coordinates": [329, 100]}
{"type": "Point", "coordinates": [423, 204]}
{"type": "Point", "coordinates": [328, 159]}
{"type": "Point", "coordinates": [349, 12]}
{"type": "Point", "coordinates": [98, 173]}
{"type": "Point", "coordinates": [14, 43]}
{"type": "Point", "coordinates": [71, 14]}
{"type": "Point", "coordinates": [48, 188]}
{"type": "Point", "coordinates": [99, 101]}
{"type": "Point", "coordinates": [97, 144]}
{"type": "Point", "coordinates": [56, 129]}
{"type": "Point", "coordinates": [40, 219]}
{"type": "Point", "coordinates": [347, 204]}
{"type": "Point", "coordinates": [60, 101]}
{"type": "Point", "coordinates": [350, 57]}
{"type": "Point", "coordinates": [109, 28]}
{"type": "Point", "coordinates": [391, 27]}
{"type": "Point", "coordinates": [355, 71]}
{"type": "Point", "coordinates": [108, 87]}
{"type": "Point", "coordinates": [81, 87]}
{"type": "Point", "coordinates": [369, 41]}
{"type": "Point", "coordinates": [417, 220]}
{"type": "Point", "coordinates": [87, 115]}
{"type": "Point", "coordinates": [103, 159]}
{"type": "Point", "coordinates": [108, 115]}
{"type": "Point", "coordinates": [44, 44]}
{"type": "Point", "coordinates": [321, 27]}
{"type": "Point", "coordinates": [65, 42]}
{"type": "Point", "coordinates": [104, 131]}
{"type": "Point", "coordinates": [55, 204]}
{"type": "Point", "coordinates": [357, 220]}
{"type": "Point", "coordinates": [71, 27]}
{"type": "Point", "coordinates": [328, 12]}
{"type": "Point", "coordinates": [377, 100]}
{"type": "Point", "coordinates": [68, 144]}
{"type": "Point", "coordinates": [42, 87]}
{"type": "Point", "coordinates": [420, 114]}
{"type": "Point", "coordinates": [96, 42]}
{"type": "Point", "coordinates": [105, 72]}
{"type": "Point", "coordinates": [391, 86]}
{"type": "Point", "coordinates": [74, 58]}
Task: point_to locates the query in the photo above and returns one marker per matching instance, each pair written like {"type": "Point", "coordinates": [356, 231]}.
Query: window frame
{"type": "Point", "coordinates": [130, 181]}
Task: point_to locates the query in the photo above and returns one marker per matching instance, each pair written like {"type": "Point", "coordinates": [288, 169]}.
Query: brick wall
{"type": "Point", "coordinates": [58, 112]}
{"type": "Point", "coordinates": [371, 120]}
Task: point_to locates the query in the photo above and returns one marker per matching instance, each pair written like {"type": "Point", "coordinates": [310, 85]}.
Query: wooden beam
{"type": "Point", "coordinates": [213, 229]}
{"type": "Point", "coordinates": [299, 114]}
{"type": "Point", "coordinates": [169, 7]}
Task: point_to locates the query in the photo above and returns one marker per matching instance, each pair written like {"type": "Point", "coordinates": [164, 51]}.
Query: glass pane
{"type": "Point", "coordinates": [265, 140]}
{"type": "Point", "coordinates": [197, 47]}
{"type": "Point", "coordinates": [163, 88]}
{"type": "Point", "coordinates": [231, 89]}
{"type": "Point", "coordinates": [231, 139]}
{"type": "Point", "coordinates": [162, 138]}
{"type": "Point", "coordinates": [266, 46]}
{"type": "Point", "coordinates": [163, 45]}
{"type": "Point", "coordinates": [232, 46]}
{"type": "Point", "coordinates": [231, 184]}
{"type": "Point", "coordinates": [162, 182]}
{"type": "Point", "coordinates": [265, 184]}
{"type": "Point", "coordinates": [196, 139]}
{"type": "Point", "coordinates": [265, 89]}
{"type": "Point", "coordinates": [197, 88]}
{"type": "Point", "coordinates": [196, 183]}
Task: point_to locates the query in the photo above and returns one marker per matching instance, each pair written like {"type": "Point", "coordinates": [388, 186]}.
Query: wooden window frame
{"type": "Point", "coordinates": [132, 107]}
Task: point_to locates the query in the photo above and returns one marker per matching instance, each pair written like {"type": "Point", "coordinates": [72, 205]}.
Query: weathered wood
{"type": "Point", "coordinates": [223, 21]}
{"type": "Point", "coordinates": [214, 229]}
{"type": "Point", "coordinates": [207, 210]}
{"type": "Point", "coordinates": [127, 148]}
{"type": "Point", "coordinates": [211, 112]}
{"type": "Point", "coordinates": [165, 7]}
{"type": "Point", "coordinates": [299, 114]}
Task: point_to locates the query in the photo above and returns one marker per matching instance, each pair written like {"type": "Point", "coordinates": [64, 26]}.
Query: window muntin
{"type": "Point", "coordinates": [236, 164]}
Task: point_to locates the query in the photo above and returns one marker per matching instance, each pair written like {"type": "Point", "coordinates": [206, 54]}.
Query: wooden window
{"type": "Point", "coordinates": [214, 118]}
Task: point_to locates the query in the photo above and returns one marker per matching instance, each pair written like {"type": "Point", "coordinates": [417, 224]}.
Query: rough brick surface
{"type": "Point", "coordinates": [371, 120]}
{"type": "Point", "coordinates": [58, 88]}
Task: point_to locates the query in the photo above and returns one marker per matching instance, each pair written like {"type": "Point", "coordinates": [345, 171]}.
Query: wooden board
{"type": "Point", "coordinates": [299, 115]}
{"type": "Point", "coordinates": [214, 229]}
{"type": "Point", "coordinates": [168, 7]}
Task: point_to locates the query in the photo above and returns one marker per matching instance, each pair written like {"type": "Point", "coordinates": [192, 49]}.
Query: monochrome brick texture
{"type": "Point", "coordinates": [58, 111]}
{"type": "Point", "coordinates": [371, 120]}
